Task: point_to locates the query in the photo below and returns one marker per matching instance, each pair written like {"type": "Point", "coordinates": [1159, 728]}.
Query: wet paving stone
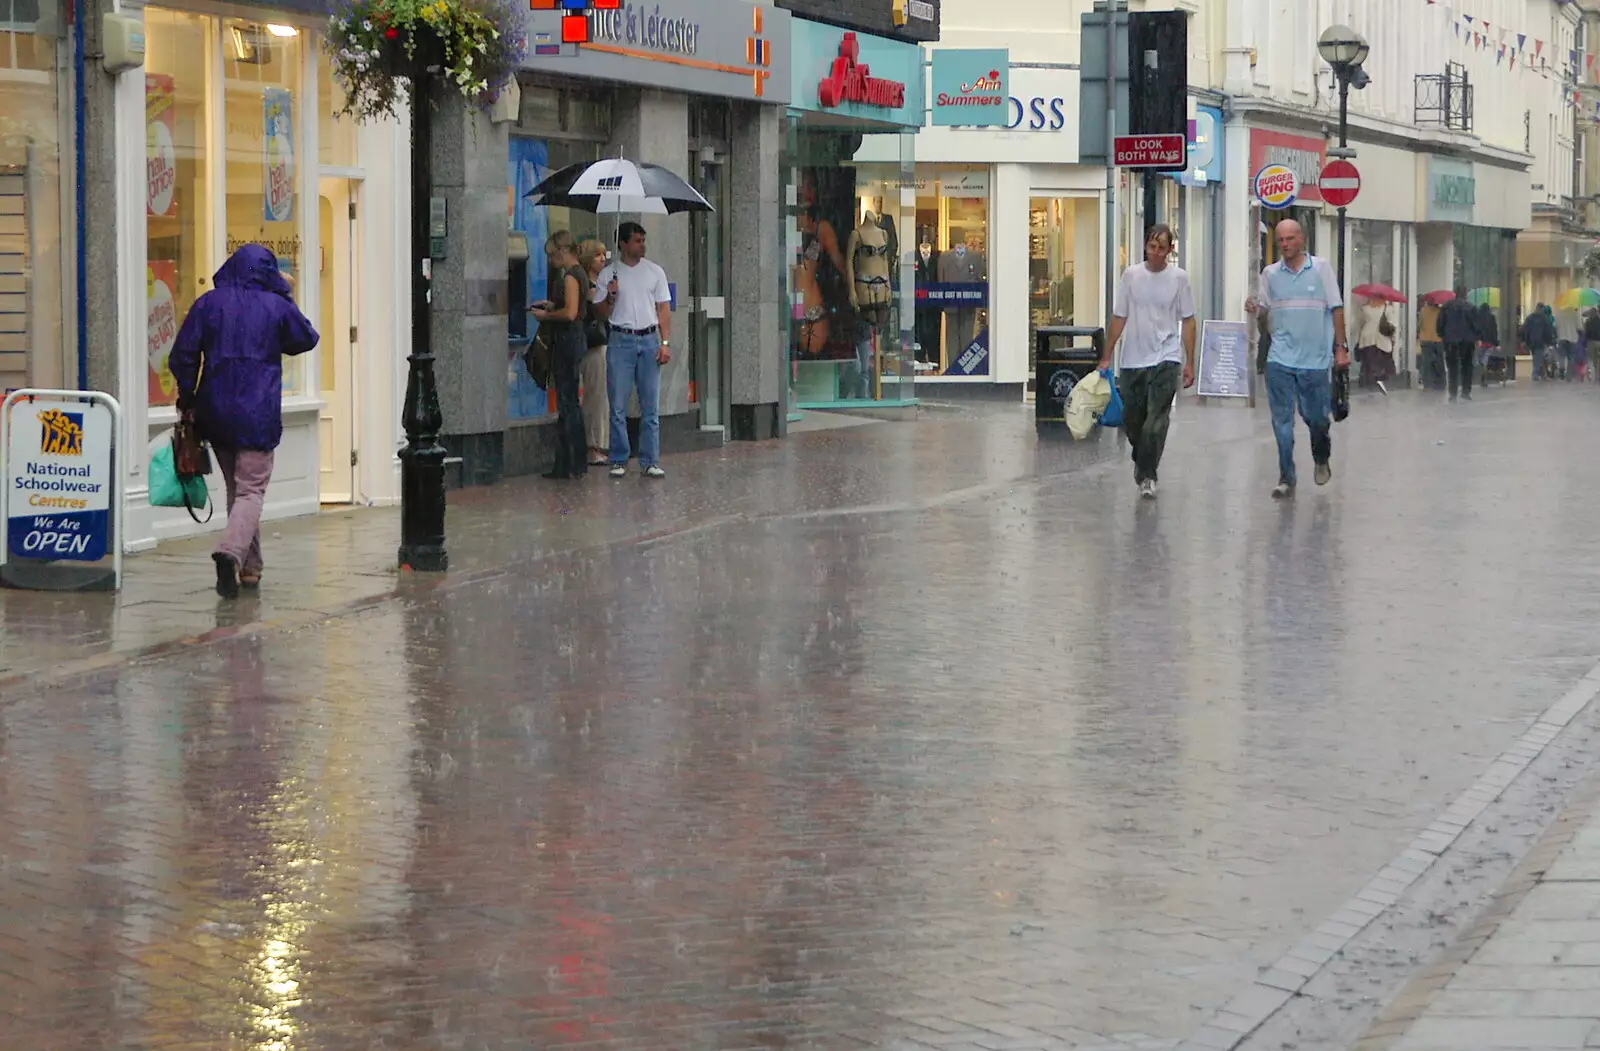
{"type": "Point", "coordinates": [907, 736]}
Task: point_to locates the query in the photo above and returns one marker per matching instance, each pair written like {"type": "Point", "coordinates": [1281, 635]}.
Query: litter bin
{"type": "Point", "coordinates": [1060, 362]}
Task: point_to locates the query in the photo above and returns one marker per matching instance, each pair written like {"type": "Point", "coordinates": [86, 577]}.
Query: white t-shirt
{"type": "Point", "coordinates": [639, 288]}
{"type": "Point", "coordinates": [1155, 304]}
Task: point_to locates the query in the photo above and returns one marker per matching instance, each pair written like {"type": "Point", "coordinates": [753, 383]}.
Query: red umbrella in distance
{"type": "Point", "coordinates": [1439, 298]}
{"type": "Point", "coordinates": [1379, 291]}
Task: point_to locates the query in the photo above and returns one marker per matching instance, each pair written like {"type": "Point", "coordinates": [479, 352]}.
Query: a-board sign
{"type": "Point", "coordinates": [1225, 367]}
{"type": "Point", "coordinates": [58, 478]}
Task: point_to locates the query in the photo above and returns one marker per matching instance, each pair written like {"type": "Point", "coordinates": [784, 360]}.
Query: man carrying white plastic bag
{"type": "Point", "coordinates": [1153, 316]}
{"type": "Point", "coordinates": [1087, 403]}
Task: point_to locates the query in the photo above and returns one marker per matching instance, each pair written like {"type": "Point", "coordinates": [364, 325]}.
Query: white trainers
{"type": "Point", "coordinates": [654, 471]}
{"type": "Point", "coordinates": [618, 471]}
{"type": "Point", "coordinates": [1147, 488]}
{"type": "Point", "coordinates": [1283, 491]}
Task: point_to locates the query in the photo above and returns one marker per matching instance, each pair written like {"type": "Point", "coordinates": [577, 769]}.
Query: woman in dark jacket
{"type": "Point", "coordinates": [563, 318]}
{"type": "Point", "coordinates": [228, 361]}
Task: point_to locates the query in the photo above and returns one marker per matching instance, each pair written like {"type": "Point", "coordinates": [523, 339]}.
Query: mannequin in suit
{"type": "Point", "coordinates": [927, 320]}
{"type": "Point", "coordinates": [963, 264]}
{"type": "Point", "coordinates": [868, 263]}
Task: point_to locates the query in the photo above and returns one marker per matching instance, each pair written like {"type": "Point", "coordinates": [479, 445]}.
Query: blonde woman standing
{"type": "Point", "coordinates": [563, 317]}
{"type": "Point", "coordinates": [592, 255]}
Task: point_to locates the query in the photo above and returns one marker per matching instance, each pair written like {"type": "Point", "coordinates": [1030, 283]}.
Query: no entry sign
{"type": "Point", "coordinates": [1340, 183]}
{"type": "Point", "coordinates": [1151, 151]}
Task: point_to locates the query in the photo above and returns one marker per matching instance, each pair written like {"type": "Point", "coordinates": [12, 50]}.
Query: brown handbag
{"type": "Point", "coordinates": [190, 456]}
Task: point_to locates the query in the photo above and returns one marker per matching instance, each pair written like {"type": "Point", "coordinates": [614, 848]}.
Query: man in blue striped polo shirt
{"type": "Point", "coordinates": [1305, 310]}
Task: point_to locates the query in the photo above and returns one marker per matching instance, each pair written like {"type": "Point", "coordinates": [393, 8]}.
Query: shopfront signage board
{"type": "Point", "coordinates": [1206, 149]}
{"type": "Point", "coordinates": [1276, 186]}
{"type": "Point", "coordinates": [1151, 151]}
{"type": "Point", "coordinates": [844, 73]}
{"type": "Point", "coordinates": [970, 88]}
{"type": "Point", "coordinates": [849, 79]}
{"type": "Point", "coordinates": [725, 48]}
{"type": "Point", "coordinates": [1301, 154]}
{"type": "Point", "coordinates": [1225, 369]}
{"type": "Point", "coordinates": [1340, 183]}
{"type": "Point", "coordinates": [1452, 190]}
{"type": "Point", "coordinates": [60, 501]}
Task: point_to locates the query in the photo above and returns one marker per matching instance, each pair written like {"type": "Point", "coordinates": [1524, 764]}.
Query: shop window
{"type": "Point", "coordinates": [31, 338]}
{"type": "Point", "coordinates": [1052, 274]}
{"type": "Point", "coordinates": [178, 226]}
{"type": "Point", "coordinates": [22, 47]}
{"type": "Point", "coordinates": [530, 161]}
{"type": "Point", "coordinates": [850, 293]}
{"type": "Point", "coordinates": [336, 135]}
{"type": "Point", "coordinates": [952, 267]}
{"type": "Point", "coordinates": [557, 125]}
{"type": "Point", "coordinates": [261, 92]}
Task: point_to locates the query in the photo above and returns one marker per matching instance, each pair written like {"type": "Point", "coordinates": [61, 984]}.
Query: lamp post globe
{"type": "Point", "coordinates": [1342, 46]}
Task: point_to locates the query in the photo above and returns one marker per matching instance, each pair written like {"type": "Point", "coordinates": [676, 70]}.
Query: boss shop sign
{"type": "Point", "coordinates": [58, 480]}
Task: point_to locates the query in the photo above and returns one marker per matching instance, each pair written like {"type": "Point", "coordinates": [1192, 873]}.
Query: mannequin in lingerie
{"type": "Point", "coordinates": [868, 262]}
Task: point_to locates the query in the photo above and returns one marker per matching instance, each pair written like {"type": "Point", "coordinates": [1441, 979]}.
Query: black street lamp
{"type": "Point", "coordinates": [422, 460]}
{"type": "Point", "coordinates": [1345, 50]}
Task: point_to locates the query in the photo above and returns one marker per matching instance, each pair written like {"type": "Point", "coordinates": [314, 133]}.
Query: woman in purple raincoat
{"type": "Point", "coordinates": [228, 361]}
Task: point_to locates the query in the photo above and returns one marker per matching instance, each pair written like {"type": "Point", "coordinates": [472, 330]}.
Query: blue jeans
{"type": "Point", "coordinates": [631, 362]}
{"type": "Point", "coordinates": [1313, 390]}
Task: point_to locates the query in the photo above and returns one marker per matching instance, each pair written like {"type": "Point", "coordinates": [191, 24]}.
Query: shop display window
{"type": "Point", "coordinates": [336, 134]}
{"type": "Point", "coordinates": [1052, 273]}
{"type": "Point", "coordinates": [556, 127]}
{"type": "Point", "coordinates": [251, 155]}
{"type": "Point", "coordinates": [850, 283]}
{"type": "Point", "coordinates": [178, 256]}
{"type": "Point", "coordinates": [261, 91]}
{"type": "Point", "coordinates": [31, 300]}
{"type": "Point", "coordinates": [951, 260]}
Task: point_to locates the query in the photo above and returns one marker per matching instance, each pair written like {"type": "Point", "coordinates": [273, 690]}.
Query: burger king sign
{"type": "Point", "coordinates": [1277, 186]}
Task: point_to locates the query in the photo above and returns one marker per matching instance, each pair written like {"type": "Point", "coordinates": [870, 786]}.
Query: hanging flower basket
{"type": "Point", "coordinates": [378, 47]}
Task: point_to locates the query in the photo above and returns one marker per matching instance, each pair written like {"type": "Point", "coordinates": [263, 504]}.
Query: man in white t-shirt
{"type": "Point", "coordinates": [634, 296]}
{"type": "Point", "coordinates": [1153, 316]}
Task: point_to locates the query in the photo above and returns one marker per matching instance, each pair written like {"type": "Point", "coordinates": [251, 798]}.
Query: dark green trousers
{"type": "Point", "coordinates": [1147, 396]}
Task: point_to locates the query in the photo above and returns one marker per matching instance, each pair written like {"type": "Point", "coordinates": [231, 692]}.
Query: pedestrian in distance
{"type": "Point", "coordinates": [1153, 317]}
{"type": "Point", "coordinates": [637, 304]}
{"type": "Point", "coordinates": [1431, 364]}
{"type": "Point", "coordinates": [1375, 344]}
{"type": "Point", "coordinates": [1460, 328]}
{"type": "Point", "coordinates": [1587, 343]}
{"type": "Point", "coordinates": [562, 319]}
{"type": "Point", "coordinates": [593, 257]}
{"type": "Point", "coordinates": [1539, 333]}
{"type": "Point", "coordinates": [227, 360]}
{"type": "Point", "coordinates": [1305, 309]}
{"type": "Point", "coordinates": [1568, 327]}
{"type": "Point", "coordinates": [1488, 328]}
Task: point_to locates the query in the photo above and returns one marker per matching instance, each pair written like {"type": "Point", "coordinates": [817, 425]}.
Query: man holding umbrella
{"type": "Point", "coordinates": [638, 303]}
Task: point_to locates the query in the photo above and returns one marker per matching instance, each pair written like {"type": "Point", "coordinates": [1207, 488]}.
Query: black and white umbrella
{"type": "Point", "coordinates": [618, 185]}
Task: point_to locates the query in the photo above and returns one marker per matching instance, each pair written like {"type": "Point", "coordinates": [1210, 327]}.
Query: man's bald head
{"type": "Point", "coordinates": [1291, 242]}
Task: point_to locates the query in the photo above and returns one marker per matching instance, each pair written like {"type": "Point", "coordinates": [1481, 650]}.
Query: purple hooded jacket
{"type": "Point", "coordinates": [241, 329]}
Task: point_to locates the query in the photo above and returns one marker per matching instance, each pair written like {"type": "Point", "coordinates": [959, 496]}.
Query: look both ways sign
{"type": "Point", "coordinates": [59, 488]}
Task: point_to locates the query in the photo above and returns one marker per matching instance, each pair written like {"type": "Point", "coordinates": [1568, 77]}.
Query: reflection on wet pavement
{"type": "Point", "coordinates": [964, 753]}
